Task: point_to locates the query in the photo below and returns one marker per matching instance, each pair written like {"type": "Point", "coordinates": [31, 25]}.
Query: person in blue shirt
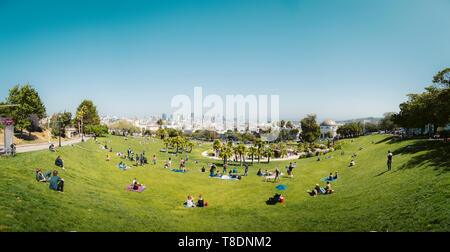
{"type": "Point", "coordinates": [56, 183]}
{"type": "Point", "coordinates": [43, 177]}
{"type": "Point", "coordinates": [59, 162]}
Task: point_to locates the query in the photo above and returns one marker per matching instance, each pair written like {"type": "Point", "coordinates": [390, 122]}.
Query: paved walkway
{"type": "Point", "coordinates": [41, 146]}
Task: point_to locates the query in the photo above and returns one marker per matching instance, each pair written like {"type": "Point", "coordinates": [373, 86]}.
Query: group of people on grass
{"type": "Point", "coordinates": [55, 182]}
{"type": "Point", "coordinates": [327, 190]}
{"type": "Point", "coordinates": [190, 202]}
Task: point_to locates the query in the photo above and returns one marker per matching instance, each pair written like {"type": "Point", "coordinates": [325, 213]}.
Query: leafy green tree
{"type": "Point", "coordinates": [87, 114]}
{"type": "Point", "coordinates": [59, 122]}
{"type": "Point", "coordinates": [97, 130]}
{"type": "Point", "coordinates": [29, 103]}
{"type": "Point", "coordinates": [310, 128]}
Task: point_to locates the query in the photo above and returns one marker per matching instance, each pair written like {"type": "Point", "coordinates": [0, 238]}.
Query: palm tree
{"type": "Point", "coordinates": [167, 141]}
{"type": "Point", "coordinates": [217, 145]}
{"type": "Point", "coordinates": [226, 153]}
{"type": "Point", "coordinates": [242, 151]}
{"type": "Point", "coordinates": [236, 151]}
{"type": "Point", "coordinates": [253, 151]}
{"type": "Point", "coordinates": [269, 153]}
{"type": "Point", "coordinates": [177, 141]}
{"type": "Point", "coordinates": [259, 144]}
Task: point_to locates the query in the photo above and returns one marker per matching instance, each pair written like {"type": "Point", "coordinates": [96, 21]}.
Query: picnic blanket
{"type": "Point", "coordinates": [281, 187]}
{"type": "Point", "coordinates": [141, 189]}
{"type": "Point", "coordinates": [124, 168]}
{"type": "Point", "coordinates": [180, 171]}
{"type": "Point", "coordinates": [327, 180]}
{"type": "Point", "coordinates": [224, 177]}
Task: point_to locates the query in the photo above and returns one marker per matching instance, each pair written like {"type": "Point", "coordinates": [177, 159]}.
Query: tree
{"type": "Point", "coordinates": [177, 141]}
{"type": "Point", "coordinates": [226, 153]}
{"type": "Point", "coordinates": [310, 128]}
{"type": "Point", "coordinates": [59, 122]}
{"type": "Point", "coordinates": [97, 130]}
{"type": "Point", "coordinates": [87, 114]}
{"type": "Point", "coordinates": [253, 151]}
{"type": "Point", "coordinates": [162, 133]}
{"type": "Point", "coordinates": [259, 144]}
{"type": "Point", "coordinates": [217, 146]}
{"type": "Point", "coordinates": [269, 153]}
{"type": "Point", "coordinates": [442, 78]}
{"type": "Point", "coordinates": [242, 151]}
{"type": "Point", "coordinates": [29, 103]}
{"type": "Point", "coordinates": [160, 122]}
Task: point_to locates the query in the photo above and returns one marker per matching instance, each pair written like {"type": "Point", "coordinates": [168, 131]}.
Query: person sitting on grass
{"type": "Point", "coordinates": [136, 185]}
{"type": "Point", "coordinates": [59, 162]}
{"type": "Point", "coordinates": [352, 163]}
{"type": "Point", "coordinates": [212, 170]}
{"type": "Point", "coordinates": [330, 177]}
{"type": "Point", "coordinates": [52, 148]}
{"type": "Point", "coordinates": [328, 188]}
{"type": "Point", "coordinates": [107, 157]}
{"type": "Point", "coordinates": [259, 172]}
{"type": "Point", "coordinates": [201, 201]}
{"type": "Point", "coordinates": [190, 201]}
{"type": "Point", "coordinates": [137, 159]}
{"type": "Point", "coordinates": [56, 183]}
{"type": "Point", "coordinates": [336, 176]}
{"type": "Point", "coordinates": [43, 177]}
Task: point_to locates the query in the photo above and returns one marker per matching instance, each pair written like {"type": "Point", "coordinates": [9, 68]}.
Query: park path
{"type": "Point", "coordinates": [41, 146]}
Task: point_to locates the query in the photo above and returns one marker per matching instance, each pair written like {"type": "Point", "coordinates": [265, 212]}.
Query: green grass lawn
{"type": "Point", "coordinates": [414, 196]}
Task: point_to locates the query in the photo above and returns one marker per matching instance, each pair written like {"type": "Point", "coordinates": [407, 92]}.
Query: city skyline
{"type": "Point", "coordinates": [334, 59]}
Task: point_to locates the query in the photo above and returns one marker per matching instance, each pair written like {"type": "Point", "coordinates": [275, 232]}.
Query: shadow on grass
{"type": "Point", "coordinates": [432, 153]}
{"type": "Point", "coordinates": [26, 137]}
{"type": "Point", "coordinates": [385, 140]}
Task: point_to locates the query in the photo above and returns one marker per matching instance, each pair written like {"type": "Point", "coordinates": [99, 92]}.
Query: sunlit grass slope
{"type": "Point", "coordinates": [414, 196]}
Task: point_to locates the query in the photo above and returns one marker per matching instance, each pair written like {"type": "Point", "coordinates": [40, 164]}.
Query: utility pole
{"type": "Point", "coordinates": [59, 123]}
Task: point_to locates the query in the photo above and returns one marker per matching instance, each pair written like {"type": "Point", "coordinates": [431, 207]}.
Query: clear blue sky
{"type": "Point", "coordinates": [339, 59]}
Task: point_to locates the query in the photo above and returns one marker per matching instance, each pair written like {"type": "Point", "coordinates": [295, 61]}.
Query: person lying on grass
{"type": "Point", "coordinates": [43, 177]}
{"type": "Point", "coordinates": [59, 162]}
{"type": "Point", "coordinates": [56, 183]}
{"type": "Point", "coordinates": [318, 190]}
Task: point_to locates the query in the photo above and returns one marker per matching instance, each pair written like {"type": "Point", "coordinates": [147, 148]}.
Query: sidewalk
{"type": "Point", "coordinates": [41, 146]}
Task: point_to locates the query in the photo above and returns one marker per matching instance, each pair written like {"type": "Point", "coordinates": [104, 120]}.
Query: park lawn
{"type": "Point", "coordinates": [414, 196]}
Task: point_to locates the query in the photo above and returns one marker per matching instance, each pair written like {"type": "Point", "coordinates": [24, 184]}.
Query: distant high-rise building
{"type": "Point", "coordinates": [164, 117]}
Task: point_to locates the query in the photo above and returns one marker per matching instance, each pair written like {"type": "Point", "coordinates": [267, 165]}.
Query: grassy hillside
{"type": "Point", "coordinates": [414, 196]}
